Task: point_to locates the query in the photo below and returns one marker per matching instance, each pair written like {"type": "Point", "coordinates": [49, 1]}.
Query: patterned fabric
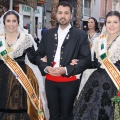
{"type": "Point", "coordinates": [91, 39]}
{"type": "Point", "coordinates": [117, 111]}
{"type": "Point", "coordinates": [21, 44]}
{"type": "Point", "coordinates": [12, 95]}
{"type": "Point", "coordinates": [13, 98]}
{"type": "Point", "coordinates": [94, 102]}
{"type": "Point", "coordinates": [113, 52]}
{"type": "Point", "coordinates": [33, 113]}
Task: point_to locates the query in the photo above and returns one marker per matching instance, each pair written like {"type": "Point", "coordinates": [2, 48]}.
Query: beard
{"type": "Point", "coordinates": [63, 21]}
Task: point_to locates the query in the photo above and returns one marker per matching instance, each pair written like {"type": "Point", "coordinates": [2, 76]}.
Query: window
{"type": "Point", "coordinates": [87, 3]}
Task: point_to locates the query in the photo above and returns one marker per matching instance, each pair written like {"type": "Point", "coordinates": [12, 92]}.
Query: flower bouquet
{"type": "Point", "coordinates": [116, 103]}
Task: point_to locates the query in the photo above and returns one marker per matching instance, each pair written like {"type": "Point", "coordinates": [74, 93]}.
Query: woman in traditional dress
{"type": "Point", "coordinates": [15, 42]}
{"type": "Point", "coordinates": [94, 102]}
{"type": "Point", "coordinates": [93, 32]}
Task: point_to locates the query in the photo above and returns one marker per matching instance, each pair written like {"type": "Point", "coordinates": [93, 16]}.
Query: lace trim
{"type": "Point", "coordinates": [113, 52]}
{"type": "Point", "coordinates": [93, 37]}
{"type": "Point", "coordinates": [22, 44]}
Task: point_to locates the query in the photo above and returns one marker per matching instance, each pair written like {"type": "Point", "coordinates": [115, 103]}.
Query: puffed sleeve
{"type": "Point", "coordinates": [31, 54]}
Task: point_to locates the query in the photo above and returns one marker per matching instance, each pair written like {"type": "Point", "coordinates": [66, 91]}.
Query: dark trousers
{"type": "Point", "coordinates": [60, 97]}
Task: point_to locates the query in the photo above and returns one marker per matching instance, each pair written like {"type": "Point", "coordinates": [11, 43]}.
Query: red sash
{"type": "Point", "coordinates": [60, 78]}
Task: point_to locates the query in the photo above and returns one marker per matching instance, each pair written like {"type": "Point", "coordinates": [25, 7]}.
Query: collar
{"type": "Point", "coordinates": [65, 30]}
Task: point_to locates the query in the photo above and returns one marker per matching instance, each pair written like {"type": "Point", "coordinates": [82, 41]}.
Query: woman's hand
{"type": "Point", "coordinates": [44, 59]}
{"type": "Point", "coordinates": [74, 62]}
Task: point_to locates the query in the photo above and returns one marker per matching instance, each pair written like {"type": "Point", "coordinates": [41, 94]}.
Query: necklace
{"type": "Point", "coordinates": [10, 45]}
{"type": "Point", "coordinates": [110, 43]}
{"type": "Point", "coordinates": [91, 38]}
{"type": "Point", "coordinates": [90, 35]}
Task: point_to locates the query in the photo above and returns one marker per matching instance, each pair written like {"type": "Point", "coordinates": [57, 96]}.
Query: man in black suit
{"type": "Point", "coordinates": [60, 45]}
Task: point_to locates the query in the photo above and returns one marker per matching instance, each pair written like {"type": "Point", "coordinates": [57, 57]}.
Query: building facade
{"type": "Point", "coordinates": [99, 9]}
{"type": "Point", "coordinates": [116, 5]}
{"type": "Point", "coordinates": [88, 8]}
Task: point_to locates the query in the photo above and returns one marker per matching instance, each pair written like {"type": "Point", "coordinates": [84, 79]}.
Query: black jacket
{"type": "Point", "coordinates": [75, 46]}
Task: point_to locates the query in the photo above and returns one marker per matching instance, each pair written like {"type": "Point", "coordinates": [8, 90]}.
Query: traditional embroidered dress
{"type": "Point", "coordinates": [94, 102]}
{"type": "Point", "coordinates": [13, 98]}
{"type": "Point", "coordinates": [91, 39]}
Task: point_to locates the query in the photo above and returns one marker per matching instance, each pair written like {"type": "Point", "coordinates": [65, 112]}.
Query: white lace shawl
{"type": "Point", "coordinates": [113, 52]}
{"type": "Point", "coordinates": [25, 41]}
{"type": "Point", "coordinates": [93, 37]}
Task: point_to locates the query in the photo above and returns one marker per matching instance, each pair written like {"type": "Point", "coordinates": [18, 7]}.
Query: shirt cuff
{"type": "Point", "coordinates": [66, 71]}
{"type": "Point", "coordinates": [45, 70]}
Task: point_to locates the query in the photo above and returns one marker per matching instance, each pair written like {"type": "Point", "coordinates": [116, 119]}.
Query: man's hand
{"type": "Point", "coordinates": [49, 69]}
{"type": "Point", "coordinates": [52, 71]}
{"type": "Point", "coordinates": [61, 70]}
{"type": "Point", "coordinates": [55, 71]}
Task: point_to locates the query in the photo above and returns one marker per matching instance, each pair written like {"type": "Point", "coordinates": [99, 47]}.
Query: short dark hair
{"type": "Point", "coordinates": [112, 13]}
{"type": "Point", "coordinates": [10, 12]}
{"type": "Point", "coordinates": [96, 24]}
{"type": "Point", "coordinates": [65, 4]}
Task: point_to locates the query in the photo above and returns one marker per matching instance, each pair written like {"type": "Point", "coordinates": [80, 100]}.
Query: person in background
{"type": "Point", "coordinates": [93, 32]}
{"type": "Point", "coordinates": [15, 44]}
{"type": "Point", "coordinates": [93, 29]}
{"type": "Point", "coordinates": [43, 30]}
{"type": "Point", "coordinates": [60, 45]}
{"type": "Point", "coordinates": [94, 102]}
